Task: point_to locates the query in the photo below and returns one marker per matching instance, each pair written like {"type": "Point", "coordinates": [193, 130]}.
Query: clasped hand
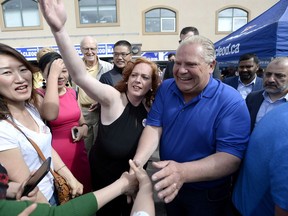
{"type": "Point", "coordinates": [169, 179]}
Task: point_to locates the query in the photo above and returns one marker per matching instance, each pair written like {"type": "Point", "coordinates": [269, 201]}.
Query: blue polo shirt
{"type": "Point", "coordinates": [263, 179]}
{"type": "Point", "coordinates": [217, 120]}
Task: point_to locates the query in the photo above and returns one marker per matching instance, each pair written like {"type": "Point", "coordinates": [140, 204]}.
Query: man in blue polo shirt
{"type": "Point", "coordinates": [202, 127]}
{"type": "Point", "coordinates": [261, 188]}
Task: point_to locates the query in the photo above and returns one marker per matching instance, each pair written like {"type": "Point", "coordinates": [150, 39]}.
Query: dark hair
{"type": "Point", "coordinates": [189, 29]}
{"type": "Point", "coordinates": [48, 58]}
{"type": "Point", "coordinates": [150, 95]}
{"type": "Point", "coordinates": [248, 56]}
{"type": "Point", "coordinates": [124, 43]}
{"type": "Point", "coordinates": [9, 51]}
{"type": "Point", "coordinates": [170, 55]}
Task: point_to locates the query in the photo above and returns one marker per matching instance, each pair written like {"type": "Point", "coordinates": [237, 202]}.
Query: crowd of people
{"type": "Point", "coordinates": [222, 142]}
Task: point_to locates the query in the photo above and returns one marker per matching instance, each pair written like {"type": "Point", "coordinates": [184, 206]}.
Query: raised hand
{"type": "Point", "coordinates": [131, 186]}
{"type": "Point", "coordinates": [57, 67]}
{"type": "Point", "coordinates": [54, 13]}
{"type": "Point", "coordinates": [144, 200]}
{"type": "Point", "coordinates": [142, 176]}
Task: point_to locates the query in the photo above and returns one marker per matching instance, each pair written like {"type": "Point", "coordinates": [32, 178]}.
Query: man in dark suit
{"type": "Point", "coordinates": [247, 81]}
{"type": "Point", "coordinates": [275, 83]}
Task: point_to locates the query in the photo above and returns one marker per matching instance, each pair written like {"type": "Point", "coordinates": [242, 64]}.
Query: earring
{"type": "Point", "coordinates": [67, 83]}
{"type": "Point", "coordinates": [151, 90]}
{"type": "Point", "coordinates": [44, 84]}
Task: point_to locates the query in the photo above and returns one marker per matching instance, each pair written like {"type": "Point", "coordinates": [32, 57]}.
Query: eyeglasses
{"type": "Point", "coordinates": [123, 55]}
{"type": "Point", "coordinates": [86, 49]}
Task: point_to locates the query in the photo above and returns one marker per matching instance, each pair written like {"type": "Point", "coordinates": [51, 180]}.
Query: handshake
{"type": "Point", "coordinates": [127, 184]}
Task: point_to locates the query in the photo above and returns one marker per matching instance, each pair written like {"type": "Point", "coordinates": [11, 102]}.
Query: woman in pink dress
{"type": "Point", "coordinates": [59, 107]}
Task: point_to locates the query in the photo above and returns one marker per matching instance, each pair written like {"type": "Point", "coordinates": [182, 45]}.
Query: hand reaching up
{"type": "Point", "coordinates": [54, 13]}
{"type": "Point", "coordinates": [142, 176]}
{"type": "Point", "coordinates": [144, 199]}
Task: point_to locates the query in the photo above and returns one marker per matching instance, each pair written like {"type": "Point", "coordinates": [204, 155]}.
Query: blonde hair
{"type": "Point", "coordinates": [43, 51]}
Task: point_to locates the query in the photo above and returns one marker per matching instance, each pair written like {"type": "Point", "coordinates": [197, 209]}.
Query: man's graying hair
{"type": "Point", "coordinates": [279, 60]}
{"type": "Point", "coordinates": [208, 46]}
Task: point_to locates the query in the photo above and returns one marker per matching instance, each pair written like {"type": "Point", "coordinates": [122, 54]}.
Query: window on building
{"type": "Point", "coordinates": [230, 19]}
{"type": "Point", "coordinates": [20, 13]}
{"type": "Point", "coordinates": [98, 12]}
{"type": "Point", "coordinates": [160, 20]}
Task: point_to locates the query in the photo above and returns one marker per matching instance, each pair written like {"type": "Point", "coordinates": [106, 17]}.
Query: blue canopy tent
{"type": "Point", "coordinates": [266, 36]}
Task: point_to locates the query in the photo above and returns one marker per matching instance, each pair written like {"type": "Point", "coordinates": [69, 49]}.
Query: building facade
{"type": "Point", "coordinates": [152, 26]}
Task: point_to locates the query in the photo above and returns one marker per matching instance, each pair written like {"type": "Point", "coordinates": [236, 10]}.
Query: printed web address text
{"type": "Point", "coordinates": [228, 50]}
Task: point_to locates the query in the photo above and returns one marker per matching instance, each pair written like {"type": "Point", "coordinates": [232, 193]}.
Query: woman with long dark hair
{"type": "Point", "coordinates": [18, 104]}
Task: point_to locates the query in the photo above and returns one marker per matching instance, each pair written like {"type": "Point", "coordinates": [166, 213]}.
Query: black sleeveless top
{"type": "Point", "coordinates": [116, 144]}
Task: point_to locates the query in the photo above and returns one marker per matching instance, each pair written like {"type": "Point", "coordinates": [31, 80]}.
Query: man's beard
{"type": "Point", "coordinates": [276, 90]}
{"type": "Point", "coordinates": [245, 76]}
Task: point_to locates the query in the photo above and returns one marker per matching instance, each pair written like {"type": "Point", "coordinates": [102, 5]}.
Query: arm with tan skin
{"type": "Point", "coordinates": [127, 183]}
{"type": "Point", "coordinates": [49, 105]}
{"type": "Point", "coordinates": [15, 190]}
{"type": "Point", "coordinates": [82, 130]}
{"type": "Point", "coordinates": [29, 210]}
{"type": "Point", "coordinates": [32, 196]}
{"type": "Point", "coordinates": [55, 15]}
{"type": "Point", "coordinates": [59, 166]}
{"type": "Point", "coordinates": [18, 171]}
{"type": "Point", "coordinates": [173, 175]}
{"type": "Point", "coordinates": [82, 119]}
{"type": "Point", "coordinates": [144, 199]}
{"type": "Point", "coordinates": [148, 143]}
{"type": "Point", "coordinates": [12, 189]}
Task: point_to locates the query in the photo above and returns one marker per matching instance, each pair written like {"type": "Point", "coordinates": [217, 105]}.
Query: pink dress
{"type": "Point", "coordinates": [73, 154]}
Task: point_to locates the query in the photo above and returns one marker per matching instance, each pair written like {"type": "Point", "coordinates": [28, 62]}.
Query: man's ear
{"type": "Point", "coordinates": [212, 66]}
{"type": "Point", "coordinates": [258, 67]}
